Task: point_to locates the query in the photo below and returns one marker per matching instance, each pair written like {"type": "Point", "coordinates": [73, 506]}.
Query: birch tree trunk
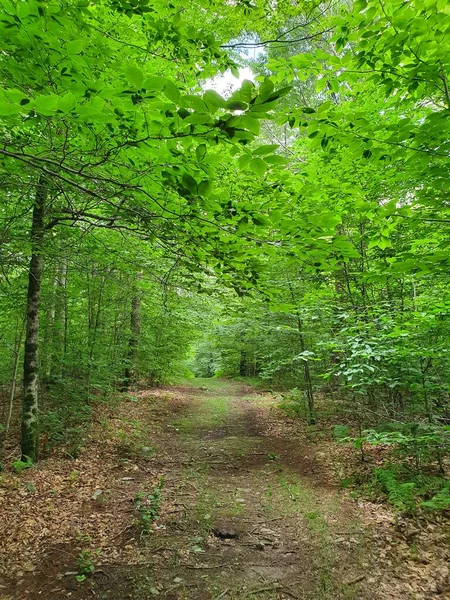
{"type": "Point", "coordinates": [30, 429]}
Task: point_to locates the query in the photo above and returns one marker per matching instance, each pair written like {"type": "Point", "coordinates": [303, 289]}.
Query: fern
{"type": "Point", "coordinates": [440, 501]}
{"type": "Point", "coordinates": [401, 495]}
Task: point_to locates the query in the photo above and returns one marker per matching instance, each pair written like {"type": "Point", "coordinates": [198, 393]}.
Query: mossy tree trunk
{"type": "Point", "coordinates": [30, 425]}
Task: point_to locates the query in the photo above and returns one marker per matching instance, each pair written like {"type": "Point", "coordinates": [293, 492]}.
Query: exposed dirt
{"type": "Point", "coordinates": [249, 510]}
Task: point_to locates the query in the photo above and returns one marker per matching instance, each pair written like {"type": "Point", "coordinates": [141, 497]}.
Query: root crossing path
{"type": "Point", "coordinates": [248, 509]}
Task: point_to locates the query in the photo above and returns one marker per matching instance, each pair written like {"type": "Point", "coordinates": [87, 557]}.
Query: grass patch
{"type": "Point", "coordinates": [213, 413]}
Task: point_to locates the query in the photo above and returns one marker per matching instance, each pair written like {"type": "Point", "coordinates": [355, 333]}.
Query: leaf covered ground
{"type": "Point", "coordinates": [251, 508]}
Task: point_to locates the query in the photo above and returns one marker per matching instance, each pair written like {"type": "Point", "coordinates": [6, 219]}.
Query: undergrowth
{"type": "Point", "coordinates": [410, 491]}
{"type": "Point", "coordinates": [148, 505]}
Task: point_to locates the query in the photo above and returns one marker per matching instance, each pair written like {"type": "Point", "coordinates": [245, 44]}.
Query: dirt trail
{"type": "Point", "coordinates": [248, 509]}
{"type": "Point", "coordinates": [252, 514]}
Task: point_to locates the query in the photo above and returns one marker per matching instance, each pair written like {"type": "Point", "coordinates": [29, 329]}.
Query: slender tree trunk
{"type": "Point", "coordinates": [243, 357]}
{"type": "Point", "coordinates": [59, 323]}
{"type": "Point", "coordinates": [307, 375]}
{"type": "Point", "coordinates": [30, 425]}
{"type": "Point", "coordinates": [243, 364]}
{"type": "Point", "coordinates": [47, 342]}
{"type": "Point", "coordinates": [94, 326]}
{"type": "Point", "coordinates": [309, 392]}
{"type": "Point", "coordinates": [12, 392]}
{"type": "Point", "coordinates": [135, 326]}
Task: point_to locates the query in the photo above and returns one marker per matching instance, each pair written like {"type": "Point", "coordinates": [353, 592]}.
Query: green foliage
{"type": "Point", "coordinates": [410, 491]}
{"type": "Point", "coordinates": [341, 432]}
{"type": "Point", "coordinates": [148, 505]}
{"type": "Point", "coordinates": [293, 403]}
{"type": "Point", "coordinates": [293, 230]}
{"type": "Point", "coordinates": [440, 501]}
{"type": "Point", "coordinates": [86, 561]}
{"type": "Point", "coordinates": [66, 423]}
{"type": "Point", "coordinates": [401, 495]}
{"type": "Point", "coordinates": [21, 465]}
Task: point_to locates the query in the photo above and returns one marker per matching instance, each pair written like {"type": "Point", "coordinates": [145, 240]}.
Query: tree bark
{"type": "Point", "coordinates": [12, 392]}
{"type": "Point", "coordinates": [59, 323]}
{"type": "Point", "coordinates": [135, 327]}
{"type": "Point", "coordinates": [309, 392]}
{"type": "Point", "coordinates": [30, 425]}
{"type": "Point", "coordinates": [47, 342]}
{"type": "Point", "coordinates": [307, 375]}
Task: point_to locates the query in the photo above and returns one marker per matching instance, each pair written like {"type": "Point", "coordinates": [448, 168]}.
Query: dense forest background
{"type": "Point", "coordinates": [293, 231]}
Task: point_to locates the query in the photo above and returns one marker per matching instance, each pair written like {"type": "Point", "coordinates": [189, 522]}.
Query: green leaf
{"type": "Point", "coordinates": [200, 152]}
{"type": "Point", "coordinates": [266, 149]}
{"type": "Point", "coordinates": [198, 118]}
{"type": "Point", "coordinates": [135, 76]}
{"type": "Point", "coordinates": [236, 105]}
{"type": "Point", "coordinates": [279, 93]}
{"type": "Point", "coordinates": [67, 102]}
{"type": "Point", "coordinates": [244, 160]}
{"type": "Point", "coordinates": [214, 100]}
{"type": "Point", "coordinates": [189, 183]}
{"type": "Point", "coordinates": [154, 83]}
{"type": "Point", "coordinates": [246, 90]}
{"type": "Point", "coordinates": [7, 109]}
{"type": "Point", "coordinates": [195, 102]}
{"type": "Point", "coordinates": [245, 122]}
{"type": "Point", "coordinates": [276, 159]}
{"type": "Point", "coordinates": [205, 188]}
{"type": "Point", "coordinates": [47, 105]}
{"type": "Point", "coordinates": [258, 166]}
{"type": "Point", "coordinates": [265, 89]}
{"type": "Point", "coordinates": [172, 92]}
{"type": "Point", "coordinates": [234, 71]}
{"type": "Point", "coordinates": [74, 47]}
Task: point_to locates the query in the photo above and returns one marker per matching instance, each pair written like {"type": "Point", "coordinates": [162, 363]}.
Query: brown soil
{"type": "Point", "coordinates": [250, 510]}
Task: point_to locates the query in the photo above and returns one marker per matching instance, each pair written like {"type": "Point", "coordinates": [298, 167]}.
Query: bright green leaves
{"type": "Point", "coordinates": [265, 90]}
{"type": "Point", "coordinates": [135, 76]}
{"type": "Point", "coordinates": [258, 166]}
{"type": "Point", "coordinates": [117, 101]}
{"type": "Point", "coordinates": [276, 160]}
{"type": "Point", "coordinates": [261, 159]}
{"type": "Point", "coordinates": [46, 105]}
{"type": "Point", "coordinates": [200, 152]}
{"type": "Point", "coordinates": [245, 122]}
{"type": "Point", "coordinates": [190, 183]}
{"type": "Point", "coordinates": [67, 102]}
{"type": "Point", "coordinates": [153, 83]}
{"type": "Point", "coordinates": [259, 162]}
{"type": "Point", "coordinates": [8, 109]}
{"type": "Point", "coordinates": [214, 100]}
{"type": "Point", "coordinates": [203, 188]}
{"type": "Point", "coordinates": [74, 47]}
{"type": "Point", "coordinates": [244, 160]}
{"type": "Point", "coordinates": [172, 92]}
{"type": "Point", "coordinates": [264, 150]}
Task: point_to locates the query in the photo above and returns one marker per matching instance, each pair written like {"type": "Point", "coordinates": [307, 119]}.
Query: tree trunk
{"type": "Point", "coordinates": [47, 342]}
{"type": "Point", "coordinates": [307, 375]}
{"type": "Point", "coordinates": [135, 326]}
{"type": "Point", "coordinates": [30, 429]}
{"type": "Point", "coordinates": [59, 323]}
{"type": "Point", "coordinates": [309, 392]}
{"type": "Point", "coordinates": [12, 392]}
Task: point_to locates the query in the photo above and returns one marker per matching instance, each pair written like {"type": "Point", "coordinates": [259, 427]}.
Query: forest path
{"type": "Point", "coordinates": [249, 508]}
{"type": "Point", "coordinates": [251, 514]}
